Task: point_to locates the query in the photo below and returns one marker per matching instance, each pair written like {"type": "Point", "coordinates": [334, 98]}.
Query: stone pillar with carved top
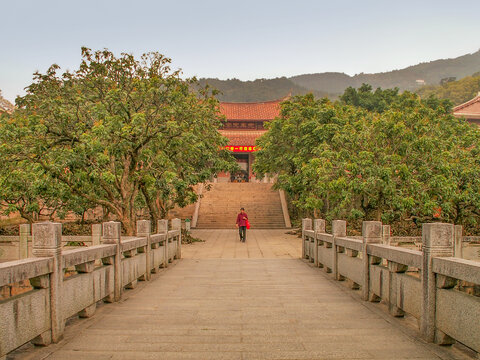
{"type": "Point", "coordinates": [96, 234]}
{"type": "Point", "coordinates": [306, 225]}
{"type": "Point", "coordinates": [47, 242]}
{"type": "Point", "coordinates": [177, 225]}
{"type": "Point", "coordinates": [144, 229]}
{"type": "Point", "coordinates": [438, 241]}
{"type": "Point", "coordinates": [319, 228]}
{"type": "Point", "coordinates": [386, 231]}
{"type": "Point", "coordinates": [23, 241]}
{"type": "Point", "coordinates": [339, 229]}
{"type": "Point", "coordinates": [162, 228]}
{"type": "Point", "coordinates": [112, 233]}
{"type": "Point", "coordinates": [371, 234]}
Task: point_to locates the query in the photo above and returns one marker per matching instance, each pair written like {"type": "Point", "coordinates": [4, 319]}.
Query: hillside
{"type": "Point", "coordinates": [257, 90]}
{"type": "Point", "coordinates": [334, 83]}
{"type": "Point", "coordinates": [458, 92]}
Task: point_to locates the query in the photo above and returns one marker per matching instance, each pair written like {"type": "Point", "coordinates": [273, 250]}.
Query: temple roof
{"type": "Point", "coordinates": [268, 110]}
{"type": "Point", "coordinates": [468, 110]}
{"type": "Point", "coordinates": [242, 137]}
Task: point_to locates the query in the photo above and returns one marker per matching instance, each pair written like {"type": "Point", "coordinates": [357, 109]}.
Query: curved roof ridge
{"type": "Point", "coordinates": [468, 103]}
{"type": "Point", "coordinates": [256, 102]}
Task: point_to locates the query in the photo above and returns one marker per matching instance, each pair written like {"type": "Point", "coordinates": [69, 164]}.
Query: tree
{"type": "Point", "coordinates": [411, 161]}
{"type": "Point", "coordinates": [378, 100]}
{"type": "Point", "coordinates": [120, 132]}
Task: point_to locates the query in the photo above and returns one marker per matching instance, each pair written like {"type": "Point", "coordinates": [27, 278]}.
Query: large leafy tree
{"type": "Point", "coordinates": [120, 132]}
{"type": "Point", "coordinates": [410, 159]}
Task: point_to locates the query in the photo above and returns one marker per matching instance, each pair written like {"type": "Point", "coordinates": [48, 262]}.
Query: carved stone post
{"type": "Point", "coordinates": [96, 234]}
{"type": "Point", "coordinates": [372, 234]}
{"type": "Point", "coordinates": [438, 241]}
{"type": "Point", "coordinates": [306, 225]}
{"type": "Point", "coordinates": [339, 229]}
{"type": "Point", "coordinates": [162, 228]}
{"type": "Point", "coordinates": [47, 242]}
{"type": "Point", "coordinates": [144, 229]}
{"type": "Point", "coordinates": [23, 241]}
{"type": "Point", "coordinates": [393, 269]}
{"type": "Point", "coordinates": [319, 228]}
{"type": "Point", "coordinates": [386, 233]}
{"type": "Point", "coordinates": [177, 225]}
{"type": "Point", "coordinates": [112, 231]}
{"type": "Point", "coordinates": [458, 250]}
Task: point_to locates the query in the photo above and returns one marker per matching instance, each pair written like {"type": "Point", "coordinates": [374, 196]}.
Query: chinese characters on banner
{"type": "Point", "coordinates": [242, 148]}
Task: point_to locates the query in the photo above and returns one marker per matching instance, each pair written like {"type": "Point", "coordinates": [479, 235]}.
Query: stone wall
{"type": "Point", "coordinates": [424, 284]}
{"type": "Point", "coordinates": [102, 273]}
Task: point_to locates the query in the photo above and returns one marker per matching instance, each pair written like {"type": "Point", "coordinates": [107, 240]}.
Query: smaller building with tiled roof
{"type": "Point", "coordinates": [469, 110]}
{"type": "Point", "coordinates": [243, 125]}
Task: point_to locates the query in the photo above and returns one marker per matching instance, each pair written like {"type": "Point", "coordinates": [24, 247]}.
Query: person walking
{"type": "Point", "coordinates": [242, 219]}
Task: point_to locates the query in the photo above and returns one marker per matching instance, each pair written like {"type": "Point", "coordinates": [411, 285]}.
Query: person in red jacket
{"type": "Point", "coordinates": [242, 218]}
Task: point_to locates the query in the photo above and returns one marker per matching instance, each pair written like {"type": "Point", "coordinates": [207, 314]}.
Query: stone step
{"type": "Point", "coordinates": [220, 205]}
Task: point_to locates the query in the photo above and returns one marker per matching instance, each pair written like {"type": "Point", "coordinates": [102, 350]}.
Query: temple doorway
{"type": "Point", "coordinates": [243, 175]}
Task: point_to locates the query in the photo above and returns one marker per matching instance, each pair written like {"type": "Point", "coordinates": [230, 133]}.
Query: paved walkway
{"type": "Point", "coordinates": [242, 308]}
{"type": "Point", "coordinates": [225, 244]}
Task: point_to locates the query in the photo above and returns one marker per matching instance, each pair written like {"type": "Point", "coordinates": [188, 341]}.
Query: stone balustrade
{"type": "Point", "coordinates": [418, 283]}
{"type": "Point", "coordinates": [67, 283]}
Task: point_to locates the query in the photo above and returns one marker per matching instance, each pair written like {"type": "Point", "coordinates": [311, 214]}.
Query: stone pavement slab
{"type": "Point", "coordinates": [242, 308]}
{"type": "Point", "coordinates": [260, 244]}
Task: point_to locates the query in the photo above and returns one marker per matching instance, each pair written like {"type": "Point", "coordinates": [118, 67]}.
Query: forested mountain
{"type": "Point", "coordinates": [458, 92]}
{"type": "Point", "coordinates": [257, 90]}
{"type": "Point", "coordinates": [333, 84]}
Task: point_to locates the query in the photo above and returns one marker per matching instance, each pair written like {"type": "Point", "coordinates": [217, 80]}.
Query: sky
{"type": "Point", "coordinates": [240, 39]}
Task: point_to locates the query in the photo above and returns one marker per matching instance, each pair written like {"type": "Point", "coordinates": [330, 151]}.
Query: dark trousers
{"type": "Point", "coordinates": [242, 230]}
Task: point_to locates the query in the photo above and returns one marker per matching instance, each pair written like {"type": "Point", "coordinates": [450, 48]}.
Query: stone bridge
{"type": "Point", "coordinates": [150, 297]}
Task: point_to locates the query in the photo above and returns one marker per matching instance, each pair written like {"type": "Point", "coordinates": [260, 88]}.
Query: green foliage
{"type": "Point", "coordinates": [457, 91]}
{"type": "Point", "coordinates": [377, 101]}
{"type": "Point", "coordinates": [119, 132]}
{"type": "Point", "coordinates": [407, 159]}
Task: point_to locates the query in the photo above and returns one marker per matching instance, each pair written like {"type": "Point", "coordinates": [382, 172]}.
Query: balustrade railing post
{"type": "Point", "coordinates": [319, 228]}
{"type": "Point", "coordinates": [23, 241]}
{"type": "Point", "coordinates": [162, 228]}
{"type": "Point", "coordinates": [386, 234]}
{"type": "Point", "coordinates": [458, 249]}
{"type": "Point", "coordinates": [47, 242]}
{"type": "Point", "coordinates": [96, 234]}
{"type": "Point", "coordinates": [371, 234]}
{"type": "Point", "coordinates": [438, 241]}
{"type": "Point", "coordinates": [339, 229]}
{"type": "Point", "coordinates": [112, 232]}
{"type": "Point", "coordinates": [144, 229]}
{"type": "Point", "coordinates": [177, 225]}
{"type": "Point", "coordinates": [306, 225]}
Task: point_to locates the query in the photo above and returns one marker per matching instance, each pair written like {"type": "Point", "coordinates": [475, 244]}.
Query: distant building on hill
{"type": "Point", "coordinates": [469, 110]}
{"type": "Point", "coordinates": [244, 124]}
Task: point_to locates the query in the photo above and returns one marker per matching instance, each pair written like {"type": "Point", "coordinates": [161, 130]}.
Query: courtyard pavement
{"type": "Point", "coordinates": [228, 300]}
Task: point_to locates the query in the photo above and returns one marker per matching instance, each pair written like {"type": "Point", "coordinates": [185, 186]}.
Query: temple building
{"type": "Point", "coordinates": [244, 124]}
{"type": "Point", "coordinates": [469, 110]}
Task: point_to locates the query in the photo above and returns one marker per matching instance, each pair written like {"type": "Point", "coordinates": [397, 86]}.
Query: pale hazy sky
{"type": "Point", "coordinates": [243, 39]}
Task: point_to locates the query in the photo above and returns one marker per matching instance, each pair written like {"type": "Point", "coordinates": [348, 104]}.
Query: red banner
{"type": "Point", "coordinates": [242, 148]}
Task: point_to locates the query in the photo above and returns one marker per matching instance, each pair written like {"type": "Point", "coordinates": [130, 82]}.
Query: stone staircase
{"type": "Point", "coordinates": [219, 206]}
